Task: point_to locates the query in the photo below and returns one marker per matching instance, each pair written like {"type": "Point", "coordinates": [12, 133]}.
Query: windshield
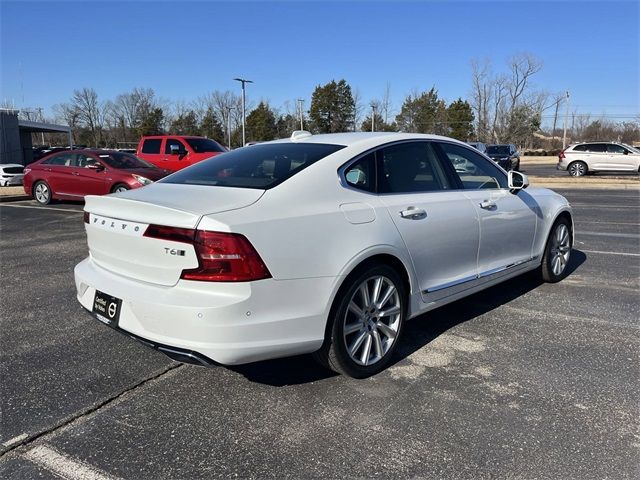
{"type": "Point", "coordinates": [498, 150]}
{"type": "Point", "coordinates": [259, 166]}
{"type": "Point", "coordinates": [124, 161]}
{"type": "Point", "coordinates": [633, 149]}
{"type": "Point", "coordinates": [201, 145]}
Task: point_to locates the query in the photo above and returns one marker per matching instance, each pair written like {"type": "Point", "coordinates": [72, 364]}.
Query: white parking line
{"type": "Point", "coordinates": [64, 210]}
{"type": "Point", "coordinates": [15, 440]}
{"type": "Point", "coordinates": [612, 253]}
{"type": "Point", "coordinates": [609, 234]}
{"type": "Point", "coordinates": [64, 466]}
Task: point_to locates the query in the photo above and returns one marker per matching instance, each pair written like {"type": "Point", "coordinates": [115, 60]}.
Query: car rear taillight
{"type": "Point", "coordinates": [184, 235]}
{"type": "Point", "coordinates": [222, 257]}
{"type": "Point", "coordinates": [86, 217]}
{"type": "Point", "coordinates": [226, 257]}
{"type": "Point", "coordinates": [561, 155]}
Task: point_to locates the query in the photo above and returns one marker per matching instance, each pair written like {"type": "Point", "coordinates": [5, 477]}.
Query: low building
{"type": "Point", "coordinates": [15, 136]}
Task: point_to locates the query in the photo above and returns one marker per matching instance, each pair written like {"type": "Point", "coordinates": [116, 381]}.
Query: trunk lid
{"type": "Point", "coordinates": [117, 223]}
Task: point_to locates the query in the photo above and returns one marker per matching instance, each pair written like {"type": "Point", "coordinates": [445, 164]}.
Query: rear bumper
{"type": "Point", "coordinates": [225, 323]}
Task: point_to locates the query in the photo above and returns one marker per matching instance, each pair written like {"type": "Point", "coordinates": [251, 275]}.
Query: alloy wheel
{"type": "Point", "coordinates": [121, 189]}
{"type": "Point", "coordinates": [560, 249]}
{"type": "Point", "coordinates": [577, 169]}
{"type": "Point", "coordinates": [372, 320]}
{"type": "Point", "coordinates": [42, 193]}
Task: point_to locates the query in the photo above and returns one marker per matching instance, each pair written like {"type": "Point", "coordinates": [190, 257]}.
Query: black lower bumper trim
{"type": "Point", "coordinates": [175, 353]}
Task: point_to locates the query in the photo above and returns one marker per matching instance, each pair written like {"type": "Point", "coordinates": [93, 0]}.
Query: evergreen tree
{"type": "Point", "coordinates": [332, 108]}
{"type": "Point", "coordinates": [261, 124]}
{"type": "Point", "coordinates": [185, 124]}
{"type": "Point", "coordinates": [210, 127]}
{"type": "Point", "coordinates": [460, 119]}
{"type": "Point", "coordinates": [151, 122]}
{"type": "Point", "coordinates": [423, 113]}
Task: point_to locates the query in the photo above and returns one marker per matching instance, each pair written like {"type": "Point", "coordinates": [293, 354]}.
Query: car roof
{"type": "Point", "coordinates": [353, 138]}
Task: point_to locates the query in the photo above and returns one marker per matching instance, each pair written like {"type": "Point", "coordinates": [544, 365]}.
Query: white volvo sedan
{"type": "Point", "coordinates": [317, 243]}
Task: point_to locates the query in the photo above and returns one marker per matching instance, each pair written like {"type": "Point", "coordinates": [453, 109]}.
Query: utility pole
{"type": "Point", "coordinates": [555, 119]}
{"type": "Point", "coordinates": [566, 115]}
{"type": "Point", "coordinates": [244, 119]}
{"type": "Point", "coordinates": [374, 107]}
{"type": "Point", "coordinates": [229, 124]}
{"type": "Point", "coordinates": [300, 106]}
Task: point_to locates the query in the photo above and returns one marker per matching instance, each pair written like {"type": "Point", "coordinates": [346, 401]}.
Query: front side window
{"type": "Point", "coordinates": [201, 145]}
{"type": "Point", "coordinates": [411, 167]}
{"type": "Point", "coordinates": [259, 166]}
{"type": "Point", "coordinates": [151, 145]}
{"type": "Point", "coordinates": [613, 148]}
{"type": "Point", "coordinates": [177, 143]}
{"type": "Point", "coordinates": [362, 174]}
{"type": "Point", "coordinates": [475, 171]}
{"type": "Point", "coordinates": [64, 159]}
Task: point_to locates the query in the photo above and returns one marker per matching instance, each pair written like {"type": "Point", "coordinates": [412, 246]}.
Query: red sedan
{"type": "Point", "coordinates": [73, 174]}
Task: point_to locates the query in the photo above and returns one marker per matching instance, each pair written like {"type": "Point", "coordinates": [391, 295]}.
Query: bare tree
{"type": "Point", "coordinates": [386, 106]}
{"type": "Point", "coordinates": [90, 112]}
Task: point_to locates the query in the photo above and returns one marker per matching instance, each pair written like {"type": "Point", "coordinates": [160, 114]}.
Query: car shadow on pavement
{"type": "Point", "coordinates": [417, 333]}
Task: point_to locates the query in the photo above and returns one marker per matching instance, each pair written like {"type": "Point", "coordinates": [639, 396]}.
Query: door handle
{"type": "Point", "coordinates": [75, 173]}
{"type": "Point", "coordinates": [487, 204]}
{"type": "Point", "coordinates": [413, 213]}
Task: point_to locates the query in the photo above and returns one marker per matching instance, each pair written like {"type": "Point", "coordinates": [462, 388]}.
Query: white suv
{"type": "Point", "coordinates": [583, 158]}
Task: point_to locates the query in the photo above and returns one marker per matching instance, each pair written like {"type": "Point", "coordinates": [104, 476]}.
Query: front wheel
{"type": "Point", "coordinates": [577, 169]}
{"type": "Point", "coordinates": [366, 322]}
{"type": "Point", "coordinates": [557, 252]}
{"type": "Point", "coordinates": [42, 192]}
{"type": "Point", "coordinates": [120, 187]}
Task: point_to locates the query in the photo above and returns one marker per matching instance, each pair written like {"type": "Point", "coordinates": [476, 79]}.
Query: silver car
{"type": "Point", "coordinates": [11, 174]}
{"type": "Point", "coordinates": [583, 158]}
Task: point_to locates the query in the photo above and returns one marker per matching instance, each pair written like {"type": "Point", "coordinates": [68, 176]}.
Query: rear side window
{"type": "Point", "coordinates": [596, 147]}
{"type": "Point", "coordinates": [258, 166]}
{"type": "Point", "coordinates": [64, 159]}
{"type": "Point", "coordinates": [411, 167]}
{"type": "Point", "coordinates": [362, 174]}
{"type": "Point", "coordinates": [152, 145]}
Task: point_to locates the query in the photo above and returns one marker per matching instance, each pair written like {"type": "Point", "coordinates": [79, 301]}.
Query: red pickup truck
{"type": "Point", "coordinates": [174, 152]}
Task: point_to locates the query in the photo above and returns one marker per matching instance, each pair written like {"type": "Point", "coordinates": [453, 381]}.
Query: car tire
{"type": "Point", "coordinates": [363, 333]}
{"type": "Point", "coordinates": [120, 187]}
{"type": "Point", "coordinates": [42, 192]}
{"type": "Point", "coordinates": [557, 252]}
{"type": "Point", "coordinates": [577, 169]}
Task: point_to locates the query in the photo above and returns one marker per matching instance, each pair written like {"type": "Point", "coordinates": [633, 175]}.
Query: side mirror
{"type": "Point", "coordinates": [98, 167]}
{"type": "Point", "coordinates": [517, 180]}
{"type": "Point", "coordinates": [626, 152]}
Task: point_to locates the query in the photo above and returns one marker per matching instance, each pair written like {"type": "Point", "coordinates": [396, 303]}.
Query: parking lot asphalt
{"type": "Point", "coordinates": [524, 380]}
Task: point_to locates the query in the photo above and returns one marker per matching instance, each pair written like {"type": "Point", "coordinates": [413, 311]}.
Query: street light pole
{"type": "Point", "coordinates": [566, 115]}
{"type": "Point", "coordinates": [373, 117]}
{"type": "Point", "coordinates": [229, 125]}
{"type": "Point", "coordinates": [243, 82]}
{"type": "Point", "coordinates": [300, 105]}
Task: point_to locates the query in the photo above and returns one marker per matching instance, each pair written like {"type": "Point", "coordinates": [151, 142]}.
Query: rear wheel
{"type": "Point", "coordinates": [577, 169]}
{"type": "Point", "coordinates": [557, 252]}
{"type": "Point", "coordinates": [42, 192]}
{"type": "Point", "coordinates": [120, 187]}
{"type": "Point", "coordinates": [366, 323]}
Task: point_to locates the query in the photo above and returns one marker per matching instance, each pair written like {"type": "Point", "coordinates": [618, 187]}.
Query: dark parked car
{"type": "Point", "coordinates": [505, 155]}
{"type": "Point", "coordinates": [72, 174]}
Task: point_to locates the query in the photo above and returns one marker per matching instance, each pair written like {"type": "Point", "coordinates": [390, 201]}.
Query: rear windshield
{"type": "Point", "coordinates": [201, 145]}
{"type": "Point", "coordinates": [498, 150]}
{"type": "Point", "coordinates": [123, 161]}
{"type": "Point", "coordinates": [258, 166]}
{"type": "Point", "coordinates": [13, 169]}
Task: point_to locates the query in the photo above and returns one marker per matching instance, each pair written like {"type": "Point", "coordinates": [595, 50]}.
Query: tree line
{"type": "Point", "coordinates": [501, 107]}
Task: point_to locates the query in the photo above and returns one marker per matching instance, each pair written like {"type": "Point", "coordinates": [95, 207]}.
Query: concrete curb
{"type": "Point", "coordinates": [586, 183]}
{"type": "Point", "coordinates": [13, 198]}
